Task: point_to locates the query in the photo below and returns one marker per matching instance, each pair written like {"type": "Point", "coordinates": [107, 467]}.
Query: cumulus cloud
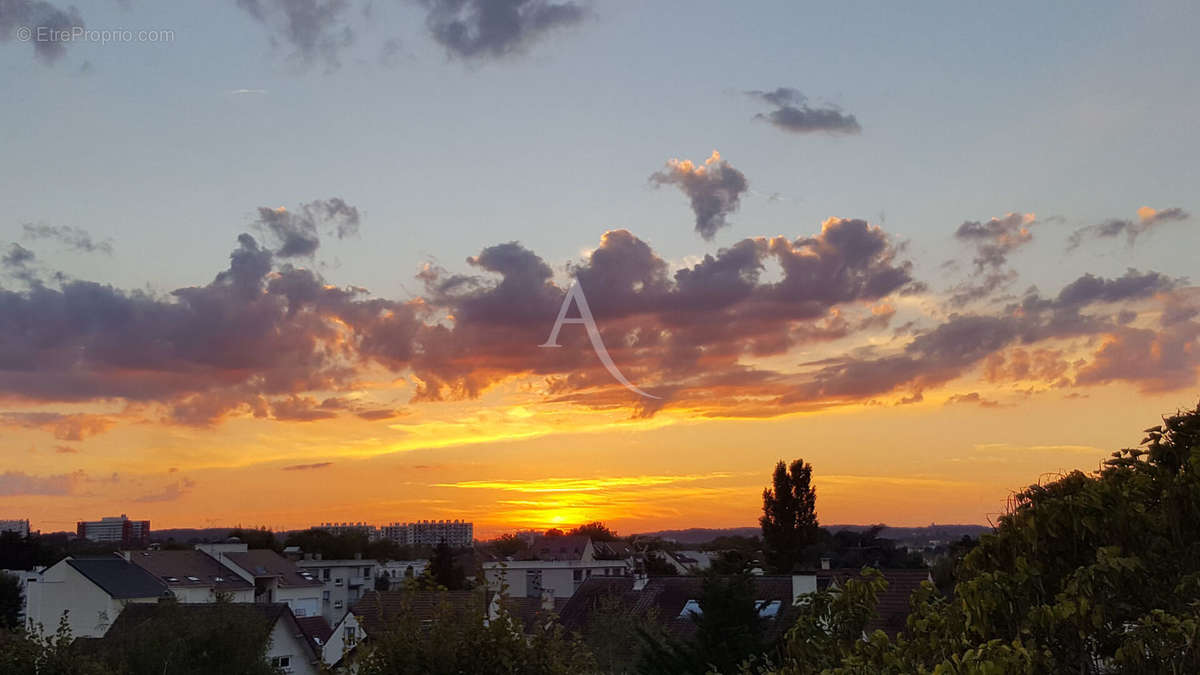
{"type": "Point", "coordinates": [1148, 218]}
{"type": "Point", "coordinates": [715, 189]}
{"type": "Point", "coordinates": [315, 30]}
{"type": "Point", "coordinates": [473, 29]}
{"type": "Point", "coordinates": [39, 18]}
{"type": "Point", "coordinates": [993, 241]}
{"type": "Point", "coordinates": [16, 263]}
{"type": "Point", "coordinates": [298, 232]}
{"type": "Point", "coordinates": [793, 113]}
{"type": "Point", "coordinates": [74, 238]}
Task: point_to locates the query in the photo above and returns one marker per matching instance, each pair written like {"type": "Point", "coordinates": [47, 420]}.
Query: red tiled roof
{"type": "Point", "coordinates": [316, 629]}
{"type": "Point", "coordinates": [558, 548]}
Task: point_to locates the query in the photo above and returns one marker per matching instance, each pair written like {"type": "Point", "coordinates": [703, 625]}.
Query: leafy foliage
{"type": "Point", "coordinates": [1087, 574]}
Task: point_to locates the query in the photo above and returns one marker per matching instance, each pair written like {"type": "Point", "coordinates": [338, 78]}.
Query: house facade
{"type": "Point", "coordinates": [343, 582]}
{"type": "Point", "coordinates": [90, 592]}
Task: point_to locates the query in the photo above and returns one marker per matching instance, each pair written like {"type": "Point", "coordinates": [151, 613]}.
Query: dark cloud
{"type": "Point", "coordinates": [472, 29]}
{"type": "Point", "coordinates": [792, 113]}
{"type": "Point", "coordinates": [19, 483]}
{"type": "Point", "coordinates": [993, 241]}
{"type": "Point", "coordinates": [300, 409]}
{"type": "Point", "coordinates": [315, 30]}
{"type": "Point", "coordinates": [714, 188]}
{"type": "Point", "coordinates": [42, 19]}
{"type": "Point", "coordinates": [307, 467]}
{"type": "Point", "coordinates": [964, 341]}
{"type": "Point", "coordinates": [73, 238]}
{"type": "Point", "coordinates": [298, 232]}
{"type": "Point", "coordinates": [1148, 219]}
{"type": "Point", "coordinates": [16, 262]}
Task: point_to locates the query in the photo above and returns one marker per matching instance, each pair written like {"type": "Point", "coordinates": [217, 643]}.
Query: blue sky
{"type": "Point", "coordinates": [1079, 110]}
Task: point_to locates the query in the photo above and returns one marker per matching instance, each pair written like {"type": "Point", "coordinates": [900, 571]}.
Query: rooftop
{"type": "Point", "coordinates": [263, 562]}
{"type": "Point", "coordinates": [189, 568]}
{"type": "Point", "coordinates": [118, 577]}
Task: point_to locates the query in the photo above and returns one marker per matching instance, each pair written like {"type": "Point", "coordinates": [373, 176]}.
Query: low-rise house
{"type": "Point", "coordinates": [688, 562]}
{"type": "Point", "coordinates": [559, 565]}
{"type": "Point", "coordinates": [673, 600]}
{"type": "Point", "coordinates": [343, 582]}
{"type": "Point", "coordinates": [193, 577]}
{"type": "Point", "coordinates": [378, 611]}
{"type": "Point", "coordinates": [90, 592]}
{"type": "Point", "coordinates": [398, 570]}
{"type": "Point", "coordinates": [268, 626]}
{"type": "Point", "coordinates": [275, 578]}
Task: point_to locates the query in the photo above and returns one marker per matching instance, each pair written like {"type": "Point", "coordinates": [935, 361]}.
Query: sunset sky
{"type": "Point", "coordinates": [291, 261]}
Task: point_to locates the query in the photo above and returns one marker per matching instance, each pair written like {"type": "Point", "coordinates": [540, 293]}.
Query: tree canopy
{"type": "Point", "coordinates": [789, 520]}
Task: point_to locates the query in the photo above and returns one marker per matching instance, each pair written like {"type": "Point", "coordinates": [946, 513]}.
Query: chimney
{"type": "Point", "coordinates": [316, 556]}
{"type": "Point", "coordinates": [803, 583]}
{"type": "Point", "coordinates": [825, 561]}
{"type": "Point", "coordinates": [358, 556]}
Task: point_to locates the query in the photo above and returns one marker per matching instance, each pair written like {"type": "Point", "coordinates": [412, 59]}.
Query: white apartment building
{"type": "Point", "coordinates": [371, 531]}
{"type": "Point", "coordinates": [21, 527]}
{"type": "Point", "coordinates": [343, 582]}
{"type": "Point", "coordinates": [456, 533]}
{"type": "Point", "coordinates": [114, 529]}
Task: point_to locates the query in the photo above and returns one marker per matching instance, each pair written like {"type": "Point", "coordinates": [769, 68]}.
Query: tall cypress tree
{"type": "Point", "coordinates": [789, 520]}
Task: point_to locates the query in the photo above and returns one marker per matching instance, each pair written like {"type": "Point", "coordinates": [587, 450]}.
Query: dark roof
{"type": "Point", "coordinates": [316, 629]}
{"type": "Point", "coordinates": [558, 548]}
{"type": "Point", "coordinates": [891, 606]}
{"type": "Point", "coordinates": [135, 617]}
{"type": "Point", "coordinates": [378, 608]}
{"type": "Point", "coordinates": [528, 611]}
{"type": "Point", "coordinates": [189, 569]}
{"type": "Point", "coordinates": [668, 596]}
{"type": "Point", "coordinates": [263, 562]}
{"type": "Point", "coordinates": [119, 577]}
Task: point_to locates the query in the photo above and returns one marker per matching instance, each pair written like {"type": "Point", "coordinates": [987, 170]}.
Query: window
{"type": "Point", "coordinates": [325, 574]}
{"type": "Point", "coordinates": [533, 583]}
{"type": "Point", "coordinates": [337, 581]}
{"type": "Point", "coordinates": [578, 575]}
{"type": "Point", "coordinates": [281, 662]}
{"type": "Point", "coordinates": [367, 572]}
{"type": "Point", "coordinates": [325, 596]}
{"type": "Point", "coordinates": [350, 636]}
{"type": "Point", "coordinates": [299, 612]}
{"type": "Point", "coordinates": [337, 604]}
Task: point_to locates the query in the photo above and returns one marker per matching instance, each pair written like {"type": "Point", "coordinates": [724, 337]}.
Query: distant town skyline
{"type": "Point", "coordinates": [277, 268]}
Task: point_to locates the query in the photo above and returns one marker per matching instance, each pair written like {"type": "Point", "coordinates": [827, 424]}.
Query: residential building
{"type": "Point", "coordinates": [456, 533]}
{"type": "Point", "coordinates": [21, 527]}
{"type": "Point", "coordinates": [115, 529]}
{"type": "Point", "coordinates": [275, 578]}
{"type": "Point", "coordinates": [398, 570]}
{"type": "Point", "coordinates": [558, 565]}
{"type": "Point", "coordinates": [376, 610]}
{"type": "Point", "coordinates": [90, 591]}
{"type": "Point", "coordinates": [273, 628]}
{"type": "Point", "coordinates": [193, 577]}
{"type": "Point", "coordinates": [561, 578]}
{"type": "Point", "coordinates": [688, 562]}
{"type": "Point", "coordinates": [371, 531]}
{"type": "Point", "coordinates": [343, 582]}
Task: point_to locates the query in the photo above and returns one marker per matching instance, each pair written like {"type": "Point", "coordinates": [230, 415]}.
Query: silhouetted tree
{"type": "Point", "coordinates": [656, 565]}
{"type": "Point", "coordinates": [509, 544]}
{"type": "Point", "coordinates": [596, 531]}
{"type": "Point", "coordinates": [10, 602]}
{"type": "Point", "coordinates": [444, 570]}
{"type": "Point", "coordinates": [789, 520]}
